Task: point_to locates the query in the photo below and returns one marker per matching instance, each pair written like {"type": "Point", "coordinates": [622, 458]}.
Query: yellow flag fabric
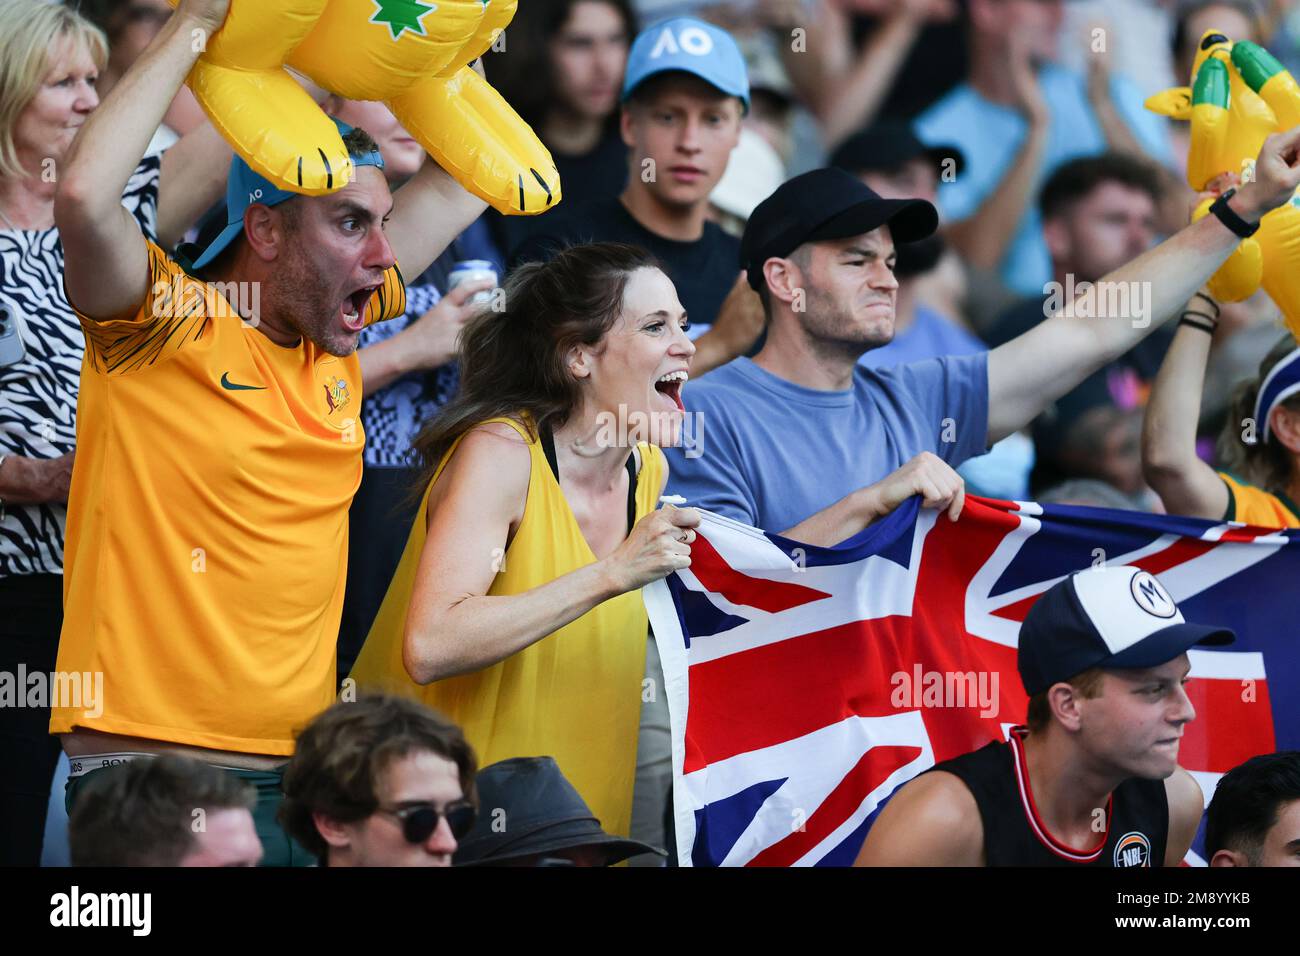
{"type": "Point", "coordinates": [574, 695]}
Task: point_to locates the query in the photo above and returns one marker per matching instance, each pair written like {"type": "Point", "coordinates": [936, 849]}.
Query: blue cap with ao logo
{"type": "Point", "coordinates": [245, 188]}
{"type": "Point", "coordinates": [690, 46]}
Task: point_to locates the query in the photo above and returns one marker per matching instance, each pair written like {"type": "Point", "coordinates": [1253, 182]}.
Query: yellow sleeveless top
{"type": "Point", "coordinates": [574, 695]}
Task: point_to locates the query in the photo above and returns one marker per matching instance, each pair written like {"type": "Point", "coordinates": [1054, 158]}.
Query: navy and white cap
{"type": "Point", "coordinates": [1112, 617]}
{"type": "Point", "coordinates": [692, 46]}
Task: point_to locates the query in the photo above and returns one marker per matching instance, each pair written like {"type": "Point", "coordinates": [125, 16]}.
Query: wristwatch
{"type": "Point", "coordinates": [1229, 217]}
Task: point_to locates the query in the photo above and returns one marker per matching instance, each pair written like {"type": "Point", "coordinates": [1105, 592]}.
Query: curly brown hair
{"type": "Point", "coordinates": [343, 753]}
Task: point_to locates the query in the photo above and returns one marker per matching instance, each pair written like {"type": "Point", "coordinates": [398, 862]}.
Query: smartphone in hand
{"type": "Point", "coordinates": [12, 350]}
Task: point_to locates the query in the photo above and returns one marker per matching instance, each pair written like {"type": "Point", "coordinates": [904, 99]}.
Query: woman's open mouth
{"type": "Point", "coordinates": [670, 385]}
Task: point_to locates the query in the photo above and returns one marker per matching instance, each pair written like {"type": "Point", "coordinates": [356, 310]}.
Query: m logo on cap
{"type": "Point", "coordinates": [1151, 595]}
{"type": "Point", "coordinates": [692, 40]}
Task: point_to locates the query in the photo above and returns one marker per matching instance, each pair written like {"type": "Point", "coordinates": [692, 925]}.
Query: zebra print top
{"type": "Point", "coordinates": [38, 396]}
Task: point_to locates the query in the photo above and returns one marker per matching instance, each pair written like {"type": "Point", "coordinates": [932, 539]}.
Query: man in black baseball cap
{"type": "Point", "coordinates": [820, 251]}
{"type": "Point", "coordinates": [1093, 779]}
{"type": "Point", "coordinates": [889, 158]}
{"type": "Point", "coordinates": [826, 204]}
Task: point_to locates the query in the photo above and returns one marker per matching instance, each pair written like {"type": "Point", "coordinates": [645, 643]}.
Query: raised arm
{"type": "Point", "coordinates": [429, 211]}
{"type": "Point", "coordinates": [191, 180]}
{"type": "Point", "coordinates": [106, 268]}
{"type": "Point", "coordinates": [849, 97]}
{"type": "Point", "coordinates": [453, 625]}
{"type": "Point", "coordinates": [983, 237]}
{"type": "Point", "coordinates": [1033, 369]}
{"type": "Point", "coordinates": [1186, 485]}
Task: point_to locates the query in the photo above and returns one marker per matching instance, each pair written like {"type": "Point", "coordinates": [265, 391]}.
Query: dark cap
{"type": "Point", "coordinates": [887, 145]}
{"type": "Point", "coordinates": [826, 204]}
{"type": "Point", "coordinates": [526, 807]}
{"type": "Point", "coordinates": [1113, 617]}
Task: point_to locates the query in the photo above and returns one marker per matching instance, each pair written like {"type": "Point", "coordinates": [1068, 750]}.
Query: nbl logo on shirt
{"type": "Point", "coordinates": [1133, 849]}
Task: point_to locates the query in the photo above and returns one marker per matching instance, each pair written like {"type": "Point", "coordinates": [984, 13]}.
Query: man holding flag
{"type": "Point", "coordinates": [820, 253]}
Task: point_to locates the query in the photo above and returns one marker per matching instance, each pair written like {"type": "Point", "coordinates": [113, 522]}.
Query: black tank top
{"type": "Point", "coordinates": [996, 774]}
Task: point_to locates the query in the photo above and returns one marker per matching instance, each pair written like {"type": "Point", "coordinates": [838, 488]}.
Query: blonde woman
{"type": "Point", "coordinates": [50, 60]}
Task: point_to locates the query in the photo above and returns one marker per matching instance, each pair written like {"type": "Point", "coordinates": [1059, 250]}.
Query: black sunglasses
{"type": "Point", "coordinates": [419, 822]}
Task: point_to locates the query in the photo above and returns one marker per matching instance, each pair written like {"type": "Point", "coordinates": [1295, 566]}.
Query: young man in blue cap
{"type": "Point", "coordinates": [1093, 780]}
{"type": "Point", "coordinates": [218, 441]}
{"type": "Point", "coordinates": [684, 94]}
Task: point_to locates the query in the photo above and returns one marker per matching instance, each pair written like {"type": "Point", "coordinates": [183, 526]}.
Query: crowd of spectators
{"type": "Point", "coordinates": [713, 209]}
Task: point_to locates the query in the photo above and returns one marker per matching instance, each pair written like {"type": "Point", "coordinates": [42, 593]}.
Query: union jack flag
{"type": "Point", "coordinates": [796, 675]}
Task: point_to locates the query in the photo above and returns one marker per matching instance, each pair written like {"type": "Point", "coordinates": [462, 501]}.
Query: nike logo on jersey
{"type": "Point", "coordinates": [227, 383]}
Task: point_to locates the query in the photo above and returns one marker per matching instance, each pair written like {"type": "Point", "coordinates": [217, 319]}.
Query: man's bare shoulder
{"type": "Point", "coordinates": [932, 821]}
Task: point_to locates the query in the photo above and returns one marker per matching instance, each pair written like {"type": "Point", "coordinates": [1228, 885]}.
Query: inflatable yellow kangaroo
{"type": "Point", "coordinates": [1240, 94]}
{"type": "Point", "coordinates": [412, 55]}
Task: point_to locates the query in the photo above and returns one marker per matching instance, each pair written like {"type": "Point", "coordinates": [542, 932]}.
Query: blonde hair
{"type": "Point", "coordinates": [28, 31]}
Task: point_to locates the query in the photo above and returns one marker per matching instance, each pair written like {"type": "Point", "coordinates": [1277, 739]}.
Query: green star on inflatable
{"type": "Point", "coordinates": [402, 15]}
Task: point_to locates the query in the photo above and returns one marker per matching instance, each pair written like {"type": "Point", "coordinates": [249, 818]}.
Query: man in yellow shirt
{"type": "Point", "coordinates": [219, 441]}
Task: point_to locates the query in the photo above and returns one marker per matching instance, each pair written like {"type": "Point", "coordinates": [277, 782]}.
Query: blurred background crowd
{"type": "Point", "coordinates": [1022, 120]}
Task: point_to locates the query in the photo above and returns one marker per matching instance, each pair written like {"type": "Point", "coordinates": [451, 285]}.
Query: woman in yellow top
{"type": "Point", "coordinates": [1261, 481]}
{"type": "Point", "coordinates": [515, 608]}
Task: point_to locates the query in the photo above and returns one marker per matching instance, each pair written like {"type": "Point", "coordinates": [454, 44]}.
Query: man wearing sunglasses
{"type": "Point", "coordinates": [381, 781]}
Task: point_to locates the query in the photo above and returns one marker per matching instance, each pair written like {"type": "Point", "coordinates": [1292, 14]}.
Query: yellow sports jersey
{"type": "Point", "coordinates": [208, 520]}
{"type": "Point", "coordinates": [1251, 505]}
{"type": "Point", "coordinates": [575, 695]}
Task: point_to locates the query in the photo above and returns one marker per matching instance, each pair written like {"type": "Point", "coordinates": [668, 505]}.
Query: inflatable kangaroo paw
{"type": "Point", "coordinates": [1176, 103]}
{"type": "Point", "coordinates": [269, 120]}
{"type": "Point", "coordinates": [1261, 71]}
{"type": "Point", "coordinates": [478, 138]}
{"type": "Point", "coordinates": [1205, 154]}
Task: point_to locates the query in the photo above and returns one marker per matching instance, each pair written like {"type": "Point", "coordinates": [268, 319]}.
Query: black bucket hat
{"type": "Point", "coordinates": [542, 813]}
